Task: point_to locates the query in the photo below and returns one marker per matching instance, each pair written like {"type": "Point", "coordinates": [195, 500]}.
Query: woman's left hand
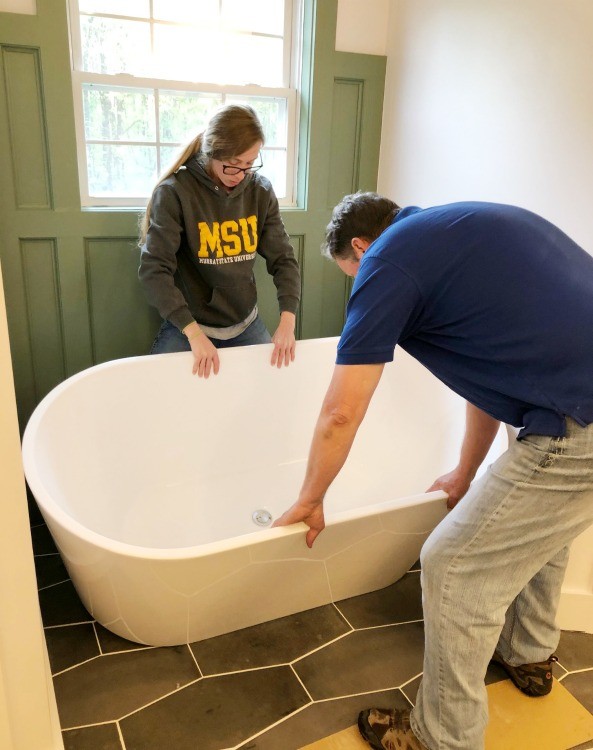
{"type": "Point", "coordinates": [284, 341]}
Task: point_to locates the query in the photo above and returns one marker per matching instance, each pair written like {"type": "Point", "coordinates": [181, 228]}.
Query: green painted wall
{"type": "Point", "coordinates": [72, 295]}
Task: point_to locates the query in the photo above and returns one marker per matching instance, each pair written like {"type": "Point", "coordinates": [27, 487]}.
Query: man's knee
{"type": "Point", "coordinates": [435, 559]}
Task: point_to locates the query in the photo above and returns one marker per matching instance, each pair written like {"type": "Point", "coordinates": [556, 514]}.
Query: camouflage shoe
{"type": "Point", "coordinates": [534, 680]}
{"type": "Point", "coordinates": [388, 729]}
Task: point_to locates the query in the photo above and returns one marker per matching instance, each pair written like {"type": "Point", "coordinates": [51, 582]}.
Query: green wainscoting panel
{"type": "Point", "coordinates": [344, 162]}
{"type": "Point", "coordinates": [26, 127]}
{"type": "Point", "coordinates": [70, 275]}
{"type": "Point", "coordinates": [42, 300]}
{"type": "Point", "coordinates": [121, 323]}
{"type": "Point", "coordinates": [266, 291]}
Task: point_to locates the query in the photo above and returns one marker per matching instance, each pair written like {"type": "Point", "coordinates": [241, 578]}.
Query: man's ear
{"type": "Point", "coordinates": [359, 245]}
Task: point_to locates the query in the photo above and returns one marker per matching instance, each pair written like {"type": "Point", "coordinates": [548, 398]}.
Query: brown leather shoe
{"type": "Point", "coordinates": [388, 729]}
{"type": "Point", "coordinates": [535, 680]}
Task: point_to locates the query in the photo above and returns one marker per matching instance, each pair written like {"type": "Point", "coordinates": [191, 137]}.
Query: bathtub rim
{"type": "Point", "coordinates": [50, 509]}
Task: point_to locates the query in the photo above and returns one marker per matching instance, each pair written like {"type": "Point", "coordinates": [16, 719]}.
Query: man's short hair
{"type": "Point", "coordinates": [364, 215]}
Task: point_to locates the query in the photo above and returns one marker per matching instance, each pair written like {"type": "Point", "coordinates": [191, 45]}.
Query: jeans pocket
{"type": "Point", "coordinates": [543, 443]}
{"type": "Point", "coordinates": [539, 452]}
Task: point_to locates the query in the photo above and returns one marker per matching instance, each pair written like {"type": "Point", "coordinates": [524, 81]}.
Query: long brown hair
{"type": "Point", "coordinates": [231, 131]}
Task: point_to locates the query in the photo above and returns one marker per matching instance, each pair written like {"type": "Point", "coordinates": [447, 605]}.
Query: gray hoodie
{"type": "Point", "coordinates": [201, 244]}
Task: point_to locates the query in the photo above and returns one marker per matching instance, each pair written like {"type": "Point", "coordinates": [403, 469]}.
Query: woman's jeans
{"type": "Point", "coordinates": [491, 578]}
{"type": "Point", "coordinates": [170, 339]}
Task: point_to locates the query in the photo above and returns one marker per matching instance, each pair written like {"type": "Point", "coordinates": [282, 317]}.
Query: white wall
{"type": "Point", "coordinates": [362, 26]}
{"type": "Point", "coordinates": [492, 100]}
{"type": "Point", "coordinates": [18, 6]}
{"type": "Point", "coordinates": [28, 714]}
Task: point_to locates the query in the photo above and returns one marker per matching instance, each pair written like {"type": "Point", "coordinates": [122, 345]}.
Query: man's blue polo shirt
{"type": "Point", "coordinates": [493, 299]}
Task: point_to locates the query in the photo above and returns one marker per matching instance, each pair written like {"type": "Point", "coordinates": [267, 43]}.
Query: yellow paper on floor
{"type": "Point", "coordinates": [556, 722]}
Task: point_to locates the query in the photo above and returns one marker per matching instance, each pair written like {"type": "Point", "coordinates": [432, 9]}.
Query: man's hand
{"type": "Point", "coordinates": [312, 516]}
{"type": "Point", "coordinates": [456, 483]}
{"type": "Point", "coordinates": [480, 431]}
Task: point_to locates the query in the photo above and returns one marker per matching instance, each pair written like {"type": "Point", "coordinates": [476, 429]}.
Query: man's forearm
{"type": "Point", "coordinates": [331, 444]}
{"type": "Point", "coordinates": [480, 431]}
{"type": "Point", "coordinates": [343, 410]}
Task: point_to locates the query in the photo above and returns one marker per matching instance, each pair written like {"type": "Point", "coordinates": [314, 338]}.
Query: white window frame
{"type": "Point", "coordinates": [291, 75]}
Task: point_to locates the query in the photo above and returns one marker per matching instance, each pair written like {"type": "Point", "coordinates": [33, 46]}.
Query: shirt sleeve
{"type": "Point", "coordinates": [385, 308]}
{"type": "Point", "coordinates": [158, 258]}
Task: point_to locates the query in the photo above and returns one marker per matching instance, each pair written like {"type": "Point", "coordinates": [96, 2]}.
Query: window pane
{"type": "Point", "coordinates": [168, 156]}
{"type": "Point", "coordinates": [263, 16]}
{"type": "Point", "coordinates": [139, 8]}
{"type": "Point", "coordinates": [275, 170]}
{"type": "Point", "coordinates": [251, 59]}
{"type": "Point", "coordinates": [272, 112]}
{"type": "Point", "coordinates": [184, 115]}
{"type": "Point", "coordinates": [112, 114]}
{"type": "Point", "coordinates": [184, 54]}
{"type": "Point", "coordinates": [121, 171]}
{"type": "Point", "coordinates": [111, 46]}
{"type": "Point", "coordinates": [186, 11]}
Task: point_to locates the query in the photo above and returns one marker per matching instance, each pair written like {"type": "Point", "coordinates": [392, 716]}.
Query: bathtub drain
{"type": "Point", "coordinates": [262, 517]}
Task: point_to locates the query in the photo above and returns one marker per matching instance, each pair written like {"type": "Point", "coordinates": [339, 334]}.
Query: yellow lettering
{"type": "Point", "coordinates": [228, 231]}
{"type": "Point", "coordinates": [209, 240]}
{"type": "Point", "coordinates": [250, 243]}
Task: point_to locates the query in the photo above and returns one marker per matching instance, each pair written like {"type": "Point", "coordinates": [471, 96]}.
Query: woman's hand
{"type": "Point", "coordinates": [312, 515]}
{"type": "Point", "coordinates": [284, 341]}
{"type": "Point", "coordinates": [205, 353]}
{"type": "Point", "coordinates": [456, 483]}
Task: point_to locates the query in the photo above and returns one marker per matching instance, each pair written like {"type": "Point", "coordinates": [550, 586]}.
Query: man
{"type": "Point", "coordinates": [498, 304]}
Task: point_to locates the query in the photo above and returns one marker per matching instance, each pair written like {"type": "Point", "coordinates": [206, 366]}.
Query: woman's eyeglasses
{"type": "Point", "coordinates": [229, 169]}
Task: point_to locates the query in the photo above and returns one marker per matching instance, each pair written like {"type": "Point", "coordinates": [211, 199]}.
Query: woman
{"type": "Point", "coordinates": [208, 216]}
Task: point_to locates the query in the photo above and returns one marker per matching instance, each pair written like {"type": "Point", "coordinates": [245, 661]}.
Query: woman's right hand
{"type": "Point", "coordinates": [205, 353]}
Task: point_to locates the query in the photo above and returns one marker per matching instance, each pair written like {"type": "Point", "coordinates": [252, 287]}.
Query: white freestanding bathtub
{"type": "Point", "coordinates": [149, 478]}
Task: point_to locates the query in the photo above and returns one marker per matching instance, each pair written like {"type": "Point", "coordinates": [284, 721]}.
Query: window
{"type": "Point", "coordinates": [147, 74]}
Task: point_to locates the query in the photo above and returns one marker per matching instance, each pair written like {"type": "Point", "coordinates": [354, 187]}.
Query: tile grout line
{"type": "Point", "coordinates": [248, 669]}
{"type": "Point", "coordinates": [344, 616]}
{"type": "Point", "coordinates": [97, 638]}
{"type": "Point", "coordinates": [271, 726]}
{"type": "Point", "coordinates": [150, 703]}
{"type": "Point", "coordinates": [313, 702]}
{"type": "Point", "coordinates": [575, 671]}
{"type": "Point", "coordinates": [89, 726]}
{"type": "Point", "coordinates": [121, 736]}
{"type": "Point", "coordinates": [75, 666]}
{"type": "Point", "coordinates": [387, 625]}
{"type": "Point", "coordinates": [68, 624]}
{"type": "Point", "coordinates": [51, 585]}
{"type": "Point", "coordinates": [407, 682]}
{"type": "Point", "coordinates": [296, 674]}
{"type": "Point", "coordinates": [193, 656]}
{"type": "Point", "coordinates": [358, 695]}
{"type": "Point", "coordinates": [104, 654]}
{"type": "Point", "coordinates": [319, 648]}
{"type": "Point", "coordinates": [46, 554]}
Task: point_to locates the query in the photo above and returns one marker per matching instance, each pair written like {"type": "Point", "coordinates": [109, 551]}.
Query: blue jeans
{"type": "Point", "coordinates": [491, 578]}
{"type": "Point", "coordinates": [170, 339]}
